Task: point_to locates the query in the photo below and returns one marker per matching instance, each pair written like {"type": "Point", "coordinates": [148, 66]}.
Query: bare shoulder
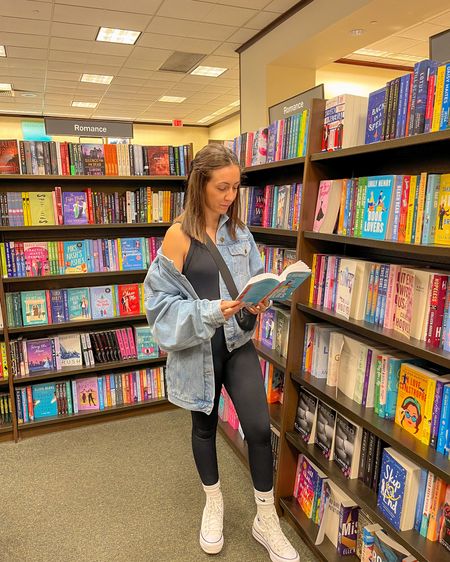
{"type": "Point", "coordinates": [175, 245]}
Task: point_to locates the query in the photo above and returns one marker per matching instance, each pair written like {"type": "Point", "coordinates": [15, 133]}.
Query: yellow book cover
{"type": "Point", "coordinates": [299, 135]}
{"type": "Point", "coordinates": [3, 260]}
{"type": "Point", "coordinates": [4, 360]}
{"type": "Point", "coordinates": [410, 214]}
{"type": "Point", "coordinates": [311, 283]}
{"type": "Point", "coordinates": [442, 232]}
{"type": "Point", "coordinates": [119, 251]}
{"type": "Point", "coordinates": [438, 97]}
{"type": "Point", "coordinates": [415, 400]}
{"type": "Point", "coordinates": [420, 208]}
{"type": "Point", "coordinates": [303, 133]}
{"type": "Point", "coordinates": [24, 209]}
{"type": "Point", "coordinates": [41, 208]}
{"type": "Point", "coordinates": [149, 204]}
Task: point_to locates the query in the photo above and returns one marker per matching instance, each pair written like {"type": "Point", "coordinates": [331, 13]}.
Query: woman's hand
{"type": "Point", "coordinates": [229, 308]}
{"type": "Point", "coordinates": [260, 307]}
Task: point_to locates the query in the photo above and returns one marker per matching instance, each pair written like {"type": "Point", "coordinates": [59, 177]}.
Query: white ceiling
{"type": "Point", "coordinates": [50, 43]}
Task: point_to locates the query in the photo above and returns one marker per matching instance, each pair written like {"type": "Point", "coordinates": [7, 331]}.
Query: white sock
{"type": "Point", "coordinates": [213, 490]}
{"type": "Point", "coordinates": [265, 502]}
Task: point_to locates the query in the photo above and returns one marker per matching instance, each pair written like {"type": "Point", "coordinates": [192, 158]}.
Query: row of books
{"type": "Point", "coordinates": [76, 208]}
{"type": "Point", "coordinates": [4, 372]}
{"type": "Point", "coordinates": [56, 306]}
{"type": "Point", "coordinates": [344, 122]}
{"type": "Point", "coordinates": [415, 303]}
{"type": "Point", "coordinates": [420, 495]}
{"type": "Point", "coordinates": [272, 206]}
{"type": "Point", "coordinates": [71, 350]}
{"type": "Point", "coordinates": [276, 258]}
{"type": "Point", "coordinates": [413, 393]}
{"type": "Point", "coordinates": [73, 159]}
{"type": "Point", "coordinates": [5, 409]}
{"type": "Point", "coordinates": [62, 398]}
{"type": "Point", "coordinates": [61, 257]}
{"type": "Point", "coordinates": [272, 329]}
{"type": "Point", "coordinates": [404, 208]}
{"type": "Point", "coordinates": [275, 444]}
{"type": "Point", "coordinates": [281, 140]}
{"type": "Point", "coordinates": [417, 102]}
{"type": "Point", "coordinates": [273, 381]}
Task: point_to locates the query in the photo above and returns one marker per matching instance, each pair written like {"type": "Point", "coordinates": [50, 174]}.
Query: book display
{"type": "Point", "coordinates": [76, 240]}
{"type": "Point", "coordinates": [367, 366]}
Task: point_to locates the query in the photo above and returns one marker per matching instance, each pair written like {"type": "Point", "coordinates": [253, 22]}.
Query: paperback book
{"type": "Point", "coordinates": [325, 429]}
{"type": "Point", "coordinates": [306, 418]}
{"type": "Point", "coordinates": [74, 207]}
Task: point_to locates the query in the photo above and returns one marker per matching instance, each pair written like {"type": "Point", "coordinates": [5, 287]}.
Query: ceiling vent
{"type": "Point", "coordinates": [181, 62]}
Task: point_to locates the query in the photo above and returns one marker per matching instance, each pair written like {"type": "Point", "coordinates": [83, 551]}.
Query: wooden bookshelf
{"type": "Point", "coordinates": [92, 179]}
{"type": "Point", "coordinates": [4, 384]}
{"type": "Point", "coordinates": [280, 164]}
{"type": "Point", "coordinates": [75, 276]}
{"type": "Point", "coordinates": [270, 355]}
{"type": "Point", "coordinates": [387, 430]}
{"type": "Point", "coordinates": [82, 228]}
{"type": "Point", "coordinates": [279, 232]}
{"type": "Point", "coordinates": [275, 411]}
{"type": "Point", "coordinates": [83, 324]}
{"type": "Point", "coordinates": [425, 551]}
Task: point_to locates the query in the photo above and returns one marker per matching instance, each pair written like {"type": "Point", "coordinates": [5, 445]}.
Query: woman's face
{"type": "Point", "coordinates": [222, 188]}
{"type": "Point", "coordinates": [411, 416]}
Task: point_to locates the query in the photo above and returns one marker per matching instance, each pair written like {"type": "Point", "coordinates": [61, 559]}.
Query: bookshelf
{"type": "Point", "coordinates": [107, 184]}
{"type": "Point", "coordinates": [412, 155]}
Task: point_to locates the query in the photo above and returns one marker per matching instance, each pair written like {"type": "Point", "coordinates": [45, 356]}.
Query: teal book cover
{"type": "Point", "coordinates": [75, 256]}
{"type": "Point", "coordinates": [34, 308]}
{"type": "Point", "coordinates": [145, 344]}
{"type": "Point", "coordinates": [377, 207]}
{"type": "Point", "coordinates": [79, 304]}
{"type": "Point", "coordinates": [44, 400]}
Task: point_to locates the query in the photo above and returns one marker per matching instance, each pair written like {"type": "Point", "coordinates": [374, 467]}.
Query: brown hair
{"type": "Point", "coordinates": [211, 157]}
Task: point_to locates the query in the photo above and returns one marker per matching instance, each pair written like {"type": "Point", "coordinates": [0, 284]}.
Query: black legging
{"type": "Point", "coordinates": [240, 373]}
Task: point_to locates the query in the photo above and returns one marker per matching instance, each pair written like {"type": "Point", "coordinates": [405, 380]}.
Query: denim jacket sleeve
{"type": "Point", "coordinates": [177, 319]}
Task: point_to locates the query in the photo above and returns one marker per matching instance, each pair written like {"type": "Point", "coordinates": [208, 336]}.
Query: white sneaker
{"type": "Point", "coordinates": [211, 532]}
{"type": "Point", "coordinates": [267, 531]}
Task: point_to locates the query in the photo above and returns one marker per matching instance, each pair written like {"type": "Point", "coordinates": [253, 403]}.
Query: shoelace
{"type": "Point", "coordinates": [214, 514]}
{"type": "Point", "coordinates": [276, 537]}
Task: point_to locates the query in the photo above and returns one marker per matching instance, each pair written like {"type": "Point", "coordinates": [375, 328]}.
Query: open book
{"type": "Point", "coordinates": [274, 287]}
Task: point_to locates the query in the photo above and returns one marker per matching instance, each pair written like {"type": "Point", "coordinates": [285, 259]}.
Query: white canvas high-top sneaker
{"type": "Point", "coordinates": [211, 532]}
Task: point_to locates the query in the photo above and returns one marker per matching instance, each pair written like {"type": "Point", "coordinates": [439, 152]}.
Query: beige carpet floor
{"type": "Point", "coordinates": [120, 491]}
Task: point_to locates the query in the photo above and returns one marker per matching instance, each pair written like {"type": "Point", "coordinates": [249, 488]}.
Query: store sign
{"type": "Point", "coordinates": [296, 104]}
{"type": "Point", "coordinates": [177, 123]}
{"type": "Point", "coordinates": [88, 128]}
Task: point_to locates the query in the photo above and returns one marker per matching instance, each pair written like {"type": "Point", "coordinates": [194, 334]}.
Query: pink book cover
{"type": "Point", "coordinates": [36, 259]}
{"type": "Point", "coordinates": [394, 273]}
{"type": "Point", "coordinates": [261, 156]}
{"type": "Point", "coordinates": [404, 304]}
{"type": "Point", "coordinates": [322, 204]}
{"type": "Point", "coordinates": [131, 342]}
{"type": "Point", "coordinates": [126, 344]}
{"type": "Point", "coordinates": [87, 393]}
{"type": "Point", "coordinates": [122, 349]}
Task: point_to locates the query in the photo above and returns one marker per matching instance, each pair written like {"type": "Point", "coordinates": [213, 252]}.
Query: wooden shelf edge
{"type": "Point", "coordinates": [394, 144]}
{"type": "Point", "coordinates": [275, 411]}
{"type": "Point", "coordinates": [308, 532]}
{"type": "Point", "coordinates": [273, 231]}
{"type": "Point", "coordinates": [414, 347]}
{"type": "Point", "coordinates": [274, 165]}
{"type": "Point", "coordinates": [65, 227]}
{"type": "Point", "coordinates": [92, 414]}
{"type": "Point", "coordinates": [90, 275]}
{"type": "Point", "coordinates": [387, 430]}
{"type": "Point", "coordinates": [100, 367]}
{"type": "Point", "coordinates": [366, 498]}
{"type": "Point", "coordinates": [270, 355]}
{"type": "Point", "coordinates": [50, 177]}
{"type": "Point", "coordinates": [5, 428]}
{"type": "Point", "coordinates": [76, 325]}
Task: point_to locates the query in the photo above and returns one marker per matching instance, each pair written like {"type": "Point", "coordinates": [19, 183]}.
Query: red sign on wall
{"type": "Point", "coordinates": [177, 123]}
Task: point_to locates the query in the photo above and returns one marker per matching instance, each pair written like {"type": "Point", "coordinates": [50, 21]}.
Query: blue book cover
{"type": "Point", "coordinates": [74, 207]}
{"type": "Point", "coordinates": [377, 207]}
{"type": "Point", "coordinates": [34, 308]}
{"type": "Point", "coordinates": [57, 307]}
{"type": "Point", "coordinates": [443, 443]}
{"type": "Point", "coordinates": [132, 257]}
{"type": "Point", "coordinates": [256, 207]}
{"type": "Point", "coordinates": [102, 302]}
{"type": "Point", "coordinates": [420, 499]}
{"type": "Point", "coordinates": [430, 210]}
{"type": "Point", "coordinates": [424, 70]}
{"type": "Point", "coordinates": [271, 286]}
{"type": "Point", "coordinates": [375, 114]}
{"type": "Point", "coordinates": [41, 355]}
{"type": "Point", "coordinates": [79, 305]}
{"type": "Point", "coordinates": [145, 343]}
{"type": "Point", "coordinates": [392, 488]}
{"type": "Point", "coordinates": [44, 400]}
{"type": "Point", "coordinates": [75, 256]}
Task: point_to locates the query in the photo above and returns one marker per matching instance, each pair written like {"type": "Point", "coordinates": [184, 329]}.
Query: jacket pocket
{"type": "Point", "coordinates": [184, 374]}
{"type": "Point", "coordinates": [238, 261]}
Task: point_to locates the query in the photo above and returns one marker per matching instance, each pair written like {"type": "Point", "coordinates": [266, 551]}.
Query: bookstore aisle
{"type": "Point", "coordinates": [125, 491]}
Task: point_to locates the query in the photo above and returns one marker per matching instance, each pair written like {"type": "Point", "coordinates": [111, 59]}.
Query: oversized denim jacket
{"type": "Point", "coordinates": [183, 324]}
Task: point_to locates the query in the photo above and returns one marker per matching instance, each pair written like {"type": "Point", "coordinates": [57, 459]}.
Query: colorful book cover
{"type": "Point", "coordinates": [78, 304]}
{"type": "Point", "coordinates": [268, 328]}
{"type": "Point", "coordinates": [41, 355]}
{"type": "Point", "coordinates": [58, 298]}
{"type": "Point", "coordinates": [309, 480]}
{"type": "Point", "coordinates": [442, 232]}
{"type": "Point", "coordinates": [132, 253]}
{"type": "Point", "coordinates": [392, 488]}
{"type": "Point", "coordinates": [93, 159]}
{"type": "Point", "coordinates": [9, 157]}
{"type": "Point", "coordinates": [325, 429]}
{"type": "Point", "coordinates": [158, 160]}
{"type": "Point", "coordinates": [70, 350]}
{"type": "Point", "coordinates": [145, 343]}
{"type": "Point", "coordinates": [375, 115]}
{"type": "Point", "coordinates": [75, 257]}
{"type": "Point", "coordinates": [36, 259]}
{"type": "Point", "coordinates": [377, 207]}
{"type": "Point", "coordinates": [306, 418]}
{"type": "Point", "coordinates": [74, 207]}
{"type": "Point", "coordinates": [404, 303]}
{"type": "Point", "coordinates": [327, 206]}
{"type": "Point", "coordinates": [128, 299]}
{"type": "Point", "coordinates": [44, 400]}
{"type": "Point", "coordinates": [102, 302]}
{"type": "Point", "coordinates": [34, 308]}
{"type": "Point", "coordinates": [41, 208]}
{"type": "Point", "coordinates": [87, 394]}
{"type": "Point", "coordinates": [348, 530]}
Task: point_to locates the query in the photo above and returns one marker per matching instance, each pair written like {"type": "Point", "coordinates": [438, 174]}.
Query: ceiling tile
{"type": "Point", "coordinates": [33, 10]}
{"type": "Point", "coordinates": [122, 80]}
{"type": "Point", "coordinates": [19, 25]}
{"type": "Point", "coordinates": [227, 50]}
{"type": "Point", "coordinates": [280, 6]}
{"type": "Point", "coordinates": [23, 40]}
{"type": "Point", "coordinates": [67, 76]}
{"type": "Point", "coordinates": [421, 31]}
{"type": "Point", "coordinates": [26, 63]}
{"type": "Point", "coordinates": [100, 17]}
{"type": "Point", "coordinates": [394, 43]}
{"type": "Point", "coordinates": [74, 31]}
{"type": "Point", "coordinates": [185, 28]}
{"type": "Point", "coordinates": [27, 53]}
{"type": "Point", "coordinates": [443, 19]}
{"type": "Point", "coordinates": [112, 49]}
{"type": "Point", "coordinates": [221, 62]}
{"type": "Point", "coordinates": [134, 73]}
{"type": "Point", "coordinates": [241, 36]}
{"type": "Point", "coordinates": [138, 6]}
{"type": "Point", "coordinates": [61, 44]}
{"type": "Point", "coordinates": [229, 15]}
{"type": "Point", "coordinates": [261, 20]}
{"type": "Point", "coordinates": [144, 53]}
{"type": "Point", "coordinates": [185, 9]}
{"type": "Point", "coordinates": [59, 66]}
{"type": "Point", "coordinates": [68, 56]}
{"type": "Point", "coordinates": [419, 49]}
{"type": "Point", "coordinates": [25, 72]}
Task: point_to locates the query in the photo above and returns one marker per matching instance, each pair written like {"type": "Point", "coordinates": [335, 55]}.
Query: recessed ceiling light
{"type": "Point", "coordinates": [357, 32]}
{"type": "Point", "coordinates": [28, 95]}
{"type": "Point", "coordinates": [171, 99]}
{"type": "Point", "coordinates": [117, 35]}
{"type": "Point", "coordinates": [208, 71]}
{"type": "Point", "coordinates": [84, 104]}
{"type": "Point", "coordinates": [96, 78]}
{"type": "Point", "coordinates": [2, 51]}
{"type": "Point", "coordinates": [5, 87]}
